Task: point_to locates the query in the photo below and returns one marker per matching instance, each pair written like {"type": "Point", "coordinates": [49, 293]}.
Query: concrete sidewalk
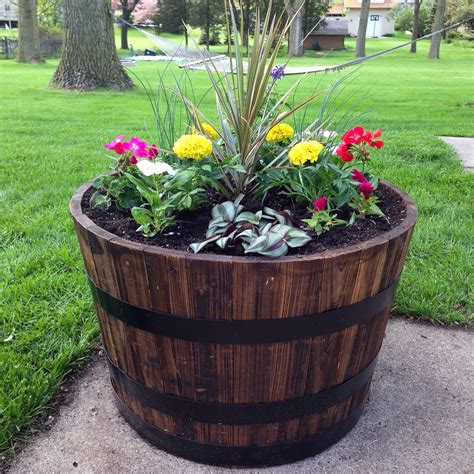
{"type": "Point", "coordinates": [464, 147]}
{"type": "Point", "coordinates": [419, 418]}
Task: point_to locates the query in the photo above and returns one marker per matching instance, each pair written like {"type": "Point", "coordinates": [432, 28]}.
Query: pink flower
{"type": "Point", "coordinates": [358, 176]}
{"type": "Point", "coordinates": [320, 204]}
{"type": "Point", "coordinates": [366, 189]}
{"type": "Point", "coordinates": [117, 145]}
{"type": "Point", "coordinates": [152, 152]}
{"type": "Point", "coordinates": [137, 147]}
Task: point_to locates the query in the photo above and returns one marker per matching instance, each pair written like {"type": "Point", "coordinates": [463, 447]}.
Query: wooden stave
{"type": "Point", "coordinates": [129, 258]}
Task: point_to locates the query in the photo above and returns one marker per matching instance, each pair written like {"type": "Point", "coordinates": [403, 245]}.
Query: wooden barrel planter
{"type": "Point", "coordinates": [241, 360]}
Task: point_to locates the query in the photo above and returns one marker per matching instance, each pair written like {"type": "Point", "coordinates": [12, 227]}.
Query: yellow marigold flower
{"type": "Point", "coordinates": [305, 151]}
{"type": "Point", "coordinates": [280, 133]}
{"type": "Point", "coordinates": [210, 130]}
{"type": "Point", "coordinates": [195, 147]}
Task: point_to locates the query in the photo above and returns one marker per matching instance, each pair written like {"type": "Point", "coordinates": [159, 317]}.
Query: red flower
{"type": "Point", "coordinates": [357, 135]}
{"type": "Point", "coordinates": [353, 136]}
{"type": "Point", "coordinates": [344, 153]}
{"type": "Point", "coordinates": [377, 143]}
{"type": "Point", "coordinates": [152, 152]}
{"type": "Point", "coordinates": [320, 204]}
{"type": "Point", "coordinates": [366, 189]}
{"type": "Point", "coordinates": [358, 176]}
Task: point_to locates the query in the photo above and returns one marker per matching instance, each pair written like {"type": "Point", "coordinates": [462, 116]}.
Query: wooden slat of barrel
{"type": "Point", "coordinates": [232, 289]}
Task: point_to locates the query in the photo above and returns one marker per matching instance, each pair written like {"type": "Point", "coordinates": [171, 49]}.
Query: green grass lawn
{"type": "Point", "coordinates": [51, 142]}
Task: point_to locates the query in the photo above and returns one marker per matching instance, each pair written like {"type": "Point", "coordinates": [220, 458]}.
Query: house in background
{"type": "Point", "coordinates": [328, 37]}
{"type": "Point", "coordinates": [380, 21]}
{"type": "Point", "coordinates": [8, 14]}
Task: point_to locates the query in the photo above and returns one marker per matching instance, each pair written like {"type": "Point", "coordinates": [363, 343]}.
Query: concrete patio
{"type": "Point", "coordinates": [419, 418]}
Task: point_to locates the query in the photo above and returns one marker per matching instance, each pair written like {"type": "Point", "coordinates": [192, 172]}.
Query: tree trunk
{"type": "Point", "coordinates": [127, 10]}
{"type": "Point", "coordinates": [29, 48]}
{"type": "Point", "coordinates": [295, 39]}
{"type": "Point", "coordinates": [208, 26]}
{"type": "Point", "coordinates": [416, 24]}
{"type": "Point", "coordinates": [362, 31]}
{"type": "Point", "coordinates": [126, 13]}
{"type": "Point", "coordinates": [437, 25]}
{"type": "Point", "coordinates": [185, 20]}
{"type": "Point", "coordinates": [246, 25]}
{"type": "Point", "coordinates": [89, 58]}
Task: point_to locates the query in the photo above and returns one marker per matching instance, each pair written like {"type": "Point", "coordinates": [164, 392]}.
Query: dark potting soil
{"type": "Point", "coordinates": [191, 227]}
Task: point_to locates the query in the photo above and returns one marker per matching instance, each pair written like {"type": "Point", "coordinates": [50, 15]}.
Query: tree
{"type": "Point", "coordinates": [437, 25]}
{"type": "Point", "coordinates": [209, 15]}
{"type": "Point", "coordinates": [170, 15]}
{"type": "Point", "coordinates": [295, 39]}
{"type": "Point", "coordinates": [127, 7]}
{"type": "Point", "coordinates": [50, 12]}
{"type": "Point", "coordinates": [145, 11]}
{"type": "Point", "coordinates": [313, 12]}
{"type": "Point", "coordinates": [416, 24]}
{"type": "Point", "coordinates": [460, 10]}
{"type": "Point", "coordinates": [89, 58]}
{"type": "Point", "coordinates": [362, 31]}
{"type": "Point", "coordinates": [29, 48]}
{"type": "Point", "coordinates": [404, 18]}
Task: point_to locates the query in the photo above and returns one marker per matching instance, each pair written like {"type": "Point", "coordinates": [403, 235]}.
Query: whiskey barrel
{"type": "Point", "coordinates": [241, 360]}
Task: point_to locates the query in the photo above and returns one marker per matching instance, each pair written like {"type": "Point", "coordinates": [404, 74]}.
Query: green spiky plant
{"type": "Point", "coordinates": [245, 112]}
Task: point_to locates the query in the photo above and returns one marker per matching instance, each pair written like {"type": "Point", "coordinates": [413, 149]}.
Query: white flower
{"type": "Point", "coordinates": [329, 134]}
{"type": "Point", "coordinates": [149, 167]}
{"type": "Point", "coordinates": [333, 150]}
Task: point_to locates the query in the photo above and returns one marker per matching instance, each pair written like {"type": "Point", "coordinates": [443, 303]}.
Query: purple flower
{"type": "Point", "coordinates": [278, 72]}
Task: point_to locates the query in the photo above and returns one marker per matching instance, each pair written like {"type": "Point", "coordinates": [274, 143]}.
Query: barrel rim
{"type": "Point", "coordinates": [408, 222]}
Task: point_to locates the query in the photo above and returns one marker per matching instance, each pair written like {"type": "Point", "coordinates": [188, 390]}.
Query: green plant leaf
{"type": "Point", "coordinates": [99, 200]}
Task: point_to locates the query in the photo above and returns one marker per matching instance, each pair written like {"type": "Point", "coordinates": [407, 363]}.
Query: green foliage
{"type": "Point", "coordinates": [170, 15]}
{"type": "Point", "coordinates": [157, 213]}
{"type": "Point", "coordinates": [323, 221]}
{"type": "Point", "coordinates": [115, 190]}
{"type": "Point", "coordinates": [50, 13]}
{"type": "Point", "coordinates": [305, 183]}
{"type": "Point", "coordinates": [403, 16]}
{"type": "Point", "coordinates": [268, 232]}
{"type": "Point", "coordinates": [459, 10]}
{"type": "Point", "coordinates": [364, 208]}
{"type": "Point", "coordinates": [209, 15]}
{"type": "Point", "coordinates": [166, 192]}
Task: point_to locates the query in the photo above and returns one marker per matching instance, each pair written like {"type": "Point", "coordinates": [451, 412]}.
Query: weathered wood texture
{"type": "Point", "coordinates": [233, 288]}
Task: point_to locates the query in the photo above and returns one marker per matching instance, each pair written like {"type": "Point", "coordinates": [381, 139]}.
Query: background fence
{"type": "Point", "coordinates": [50, 46]}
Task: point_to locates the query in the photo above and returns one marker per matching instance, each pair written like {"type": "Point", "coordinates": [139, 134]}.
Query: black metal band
{"type": "Point", "coordinates": [244, 331]}
{"type": "Point", "coordinates": [267, 455]}
{"type": "Point", "coordinates": [241, 413]}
